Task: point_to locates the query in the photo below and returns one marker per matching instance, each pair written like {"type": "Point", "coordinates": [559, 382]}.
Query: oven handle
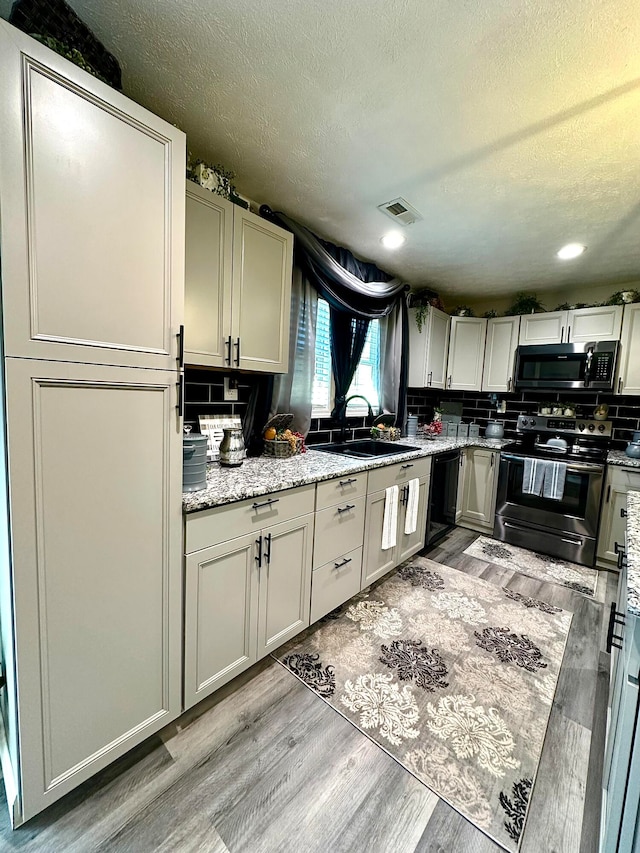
{"type": "Point", "coordinates": [576, 541]}
{"type": "Point", "coordinates": [577, 469]}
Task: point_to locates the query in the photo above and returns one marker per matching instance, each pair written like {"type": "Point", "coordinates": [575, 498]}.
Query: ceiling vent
{"type": "Point", "coordinates": [400, 211]}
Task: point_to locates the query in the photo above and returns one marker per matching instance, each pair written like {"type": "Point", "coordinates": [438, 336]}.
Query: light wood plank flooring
{"type": "Point", "coordinates": [266, 766]}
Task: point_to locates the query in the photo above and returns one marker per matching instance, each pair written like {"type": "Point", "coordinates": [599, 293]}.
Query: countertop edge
{"type": "Point", "coordinates": [633, 553]}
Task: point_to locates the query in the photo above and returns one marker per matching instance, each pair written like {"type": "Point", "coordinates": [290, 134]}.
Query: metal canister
{"type": "Point", "coordinates": [232, 447]}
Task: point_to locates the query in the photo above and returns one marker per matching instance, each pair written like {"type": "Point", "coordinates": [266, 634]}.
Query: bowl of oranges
{"type": "Point", "coordinates": [280, 441]}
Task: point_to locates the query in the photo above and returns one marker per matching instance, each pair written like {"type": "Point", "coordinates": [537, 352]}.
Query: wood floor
{"type": "Point", "coordinates": [268, 767]}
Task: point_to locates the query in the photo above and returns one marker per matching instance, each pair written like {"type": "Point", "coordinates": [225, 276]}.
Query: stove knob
{"type": "Point", "coordinates": [591, 427]}
{"type": "Point", "coordinates": [533, 423]}
{"type": "Point", "coordinates": [525, 422]}
{"type": "Point", "coordinates": [581, 427]}
{"type": "Point", "coordinates": [600, 427]}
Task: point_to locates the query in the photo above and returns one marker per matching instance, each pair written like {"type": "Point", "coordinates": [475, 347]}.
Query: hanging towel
{"type": "Point", "coordinates": [411, 516]}
{"type": "Point", "coordinates": [390, 520]}
{"type": "Point", "coordinates": [555, 474]}
{"type": "Point", "coordinates": [533, 476]}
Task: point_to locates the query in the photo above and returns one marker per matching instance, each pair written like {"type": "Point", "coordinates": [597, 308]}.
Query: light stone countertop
{"type": "Point", "coordinates": [633, 553]}
{"type": "Point", "coordinates": [619, 457]}
{"type": "Point", "coordinates": [262, 475]}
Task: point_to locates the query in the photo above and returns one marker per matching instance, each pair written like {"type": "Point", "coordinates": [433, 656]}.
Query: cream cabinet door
{"type": "Point", "coordinates": [546, 328]}
{"type": "Point", "coordinates": [410, 543]}
{"type": "Point", "coordinates": [221, 614]}
{"type": "Point", "coordinates": [96, 525]}
{"type": "Point", "coordinates": [499, 354]}
{"type": "Point", "coordinates": [428, 350]}
{"type": "Point", "coordinates": [466, 353]}
{"type": "Point", "coordinates": [594, 324]}
{"type": "Point", "coordinates": [479, 487]}
{"type": "Point", "coordinates": [375, 561]}
{"type": "Point", "coordinates": [262, 264]}
{"type": "Point", "coordinates": [629, 364]}
{"type": "Point", "coordinates": [208, 250]}
{"type": "Point", "coordinates": [285, 582]}
{"type": "Point", "coordinates": [92, 232]}
{"type": "Point", "coordinates": [612, 523]}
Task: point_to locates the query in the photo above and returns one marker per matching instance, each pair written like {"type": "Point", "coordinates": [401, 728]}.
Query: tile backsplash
{"type": "Point", "coordinates": [204, 394]}
{"type": "Point", "coordinates": [624, 412]}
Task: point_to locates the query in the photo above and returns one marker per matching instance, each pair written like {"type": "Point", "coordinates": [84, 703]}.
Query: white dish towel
{"type": "Point", "coordinates": [411, 517]}
{"type": "Point", "coordinates": [390, 520]}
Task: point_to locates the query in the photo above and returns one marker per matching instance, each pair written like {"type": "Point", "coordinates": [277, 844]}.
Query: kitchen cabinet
{"type": "Point", "coordinates": [92, 246]}
{"type": "Point", "coordinates": [466, 353]}
{"type": "Point", "coordinates": [246, 595]}
{"type": "Point", "coordinates": [629, 360]}
{"type": "Point", "coordinates": [575, 326]}
{"type": "Point", "coordinates": [477, 487]}
{"type": "Point", "coordinates": [428, 350]}
{"type": "Point", "coordinates": [499, 354]}
{"type": "Point", "coordinates": [376, 562]}
{"type": "Point", "coordinates": [238, 286]}
{"type": "Point", "coordinates": [612, 524]}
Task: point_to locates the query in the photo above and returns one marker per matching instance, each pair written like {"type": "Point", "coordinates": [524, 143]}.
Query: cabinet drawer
{"type": "Point", "coordinates": [333, 583]}
{"type": "Point", "coordinates": [340, 489]}
{"type": "Point", "coordinates": [220, 523]}
{"type": "Point", "coordinates": [338, 529]}
{"type": "Point", "coordinates": [401, 472]}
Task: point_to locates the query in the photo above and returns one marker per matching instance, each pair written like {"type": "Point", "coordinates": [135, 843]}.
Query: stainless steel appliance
{"type": "Point", "coordinates": [575, 367]}
{"type": "Point", "coordinates": [565, 528]}
{"type": "Point", "coordinates": [443, 492]}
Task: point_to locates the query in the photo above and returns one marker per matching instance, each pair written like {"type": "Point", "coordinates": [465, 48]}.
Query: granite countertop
{"type": "Point", "coordinates": [633, 553]}
{"type": "Point", "coordinates": [619, 457]}
{"type": "Point", "coordinates": [262, 475]}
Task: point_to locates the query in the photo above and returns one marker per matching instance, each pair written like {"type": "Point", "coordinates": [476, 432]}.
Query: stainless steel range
{"type": "Point", "coordinates": [559, 518]}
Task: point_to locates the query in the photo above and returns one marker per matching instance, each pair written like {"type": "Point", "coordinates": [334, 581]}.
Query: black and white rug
{"type": "Point", "coordinates": [540, 566]}
{"type": "Point", "coordinates": [452, 676]}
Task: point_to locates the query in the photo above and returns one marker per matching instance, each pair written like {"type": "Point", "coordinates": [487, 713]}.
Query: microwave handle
{"type": "Point", "coordinates": [587, 369]}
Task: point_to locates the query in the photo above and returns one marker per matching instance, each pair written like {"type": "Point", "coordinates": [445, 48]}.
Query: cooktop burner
{"type": "Point", "coordinates": [570, 439]}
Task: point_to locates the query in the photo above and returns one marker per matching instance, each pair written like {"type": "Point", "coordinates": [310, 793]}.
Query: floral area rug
{"type": "Point", "coordinates": [449, 674]}
{"type": "Point", "coordinates": [539, 566]}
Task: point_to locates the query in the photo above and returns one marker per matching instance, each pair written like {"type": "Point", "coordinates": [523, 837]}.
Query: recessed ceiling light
{"type": "Point", "coordinates": [393, 240]}
{"type": "Point", "coordinates": [570, 251]}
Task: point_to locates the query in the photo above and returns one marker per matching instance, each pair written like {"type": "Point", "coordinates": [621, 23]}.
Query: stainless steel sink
{"type": "Point", "coordinates": [365, 448]}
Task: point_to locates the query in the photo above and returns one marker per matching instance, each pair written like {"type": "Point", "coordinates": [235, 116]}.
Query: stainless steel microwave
{"type": "Point", "coordinates": [576, 367]}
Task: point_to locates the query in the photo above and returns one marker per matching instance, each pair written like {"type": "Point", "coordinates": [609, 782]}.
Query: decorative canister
{"type": "Point", "coordinates": [232, 447]}
{"type": "Point", "coordinates": [494, 429]}
{"type": "Point", "coordinates": [412, 426]}
{"type": "Point", "coordinates": [194, 462]}
{"type": "Point", "coordinates": [633, 449]}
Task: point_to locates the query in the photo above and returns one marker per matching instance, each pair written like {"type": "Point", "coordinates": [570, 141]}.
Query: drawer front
{"type": "Point", "coordinates": [221, 523]}
{"type": "Point", "coordinates": [401, 472]}
{"type": "Point", "coordinates": [341, 489]}
{"type": "Point", "coordinates": [338, 529]}
{"type": "Point", "coordinates": [334, 583]}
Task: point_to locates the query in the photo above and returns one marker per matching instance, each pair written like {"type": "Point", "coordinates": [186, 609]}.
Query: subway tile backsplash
{"type": "Point", "coordinates": [624, 412]}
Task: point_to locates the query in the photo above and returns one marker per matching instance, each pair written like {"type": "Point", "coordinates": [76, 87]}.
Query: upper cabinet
{"type": "Point", "coordinates": [629, 363]}
{"type": "Point", "coordinates": [238, 286]}
{"type": "Point", "coordinates": [466, 353]}
{"type": "Point", "coordinates": [428, 349]}
{"type": "Point", "coordinates": [567, 327]}
{"type": "Point", "coordinates": [499, 353]}
{"type": "Point", "coordinates": [92, 230]}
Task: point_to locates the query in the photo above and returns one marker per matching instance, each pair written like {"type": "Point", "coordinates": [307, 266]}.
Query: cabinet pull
{"type": "Point", "coordinates": [615, 618]}
{"type": "Point", "coordinates": [408, 465]}
{"type": "Point", "coordinates": [267, 556]}
{"type": "Point", "coordinates": [608, 493]}
{"type": "Point", "coordinates": [268, 503]}
{"type": "Point", "coordinates": [562, 335]}
{"type": "Point", "coordinates": [227, 358]}
{"type": "Point", "coordinates": [622, 556]}
{"type": "Point", "coordinates": [346, 508]}
{"type": "Point", "coordinates": [623, 512]}
{"type": "Point", "coordinates": [449, 382]}
{"type": "Point", "coordinates": [430, 377]}
{"type": "Point", "coordinates": [343, 563]}
{"type": "Point", "coordinates": [258, 557]}
{"type": "Point", "coordinates": [568, 334]}
{"type": "Point", "coordinates": [180, 337]}
{"type": "Point", "coordinates": [620, 385]}
{"type": "Point", "coordinates": [509, 384]}
{"type": "Point", "coordinates": [180, 403]}
{"type": "Point", "coordinates": [404, 495]}
{"type": "Point", "coordinates": [493, 459]}
{"type": "Point", "coordinates": [237, 346]}
{"type": "Point", "coordinates": [348, 482]}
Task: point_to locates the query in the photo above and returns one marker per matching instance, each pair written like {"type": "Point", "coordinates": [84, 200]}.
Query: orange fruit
{"type": "Point", "coordinates": [270, 433]}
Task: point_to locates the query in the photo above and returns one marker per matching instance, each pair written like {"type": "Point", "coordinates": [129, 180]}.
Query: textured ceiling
{"type": "Point", "coordinates": [513, 126]}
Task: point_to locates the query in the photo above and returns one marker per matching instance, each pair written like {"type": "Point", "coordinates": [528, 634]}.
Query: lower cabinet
{"type": "Point", "coordinates": [245, 596]}
{"type": "Point", "coordinates": [377, 561]}
{"type": "Point", "coordinates": [477, 488]}
{"type": "Point", "coordinates": [612, 524]}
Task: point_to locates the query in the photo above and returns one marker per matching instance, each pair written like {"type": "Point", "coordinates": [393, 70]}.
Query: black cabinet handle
{"type": "Point", "coordinates": [608, 493]}
{"type": "Point", "coordinates": [622, 556]}
{"type": "Point", "coordinates": [237, 346]}
{"type": "Point", "coordinates": [614, 640]}
{"type": "Point", "coordinates": [227, 358]}
{"type": "Point", "coordinates": [348, 482]}
{"type": "Point", "coordinates": [180, 403]}
{"type": "Point", "coordinates": [562, 335]}
{"type": "Point", "coordinates": [408, 465]}
{"type": "Point", "coordinates": [430, 377]}
{"type": "Point", "coordinates": [620, 385]}
{"type": "Point", "coordinates": [343, 563]}
{"type": "Point", "coordinates": [568, 334]}
{"type": "Point", "coordinates": [346, 508]}
{"type": "Point", "coordinates": [259, 554]}
{"type": "Point", "coordinates": [404, 495]}
{"type": "Point", "coordinates": [180, 337]}
{"type": "Point", "coordinates": [268, 503]}
{"type": "Point", "coordinates": [509, 384]}
{"type": "Point", "coordinates": [623, 512]}
{"type": "Point", "coordinates": [267, 556]}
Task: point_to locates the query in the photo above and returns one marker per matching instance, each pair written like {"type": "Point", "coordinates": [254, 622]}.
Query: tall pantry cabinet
{"type": "Point", "coordinates": [92, 247]}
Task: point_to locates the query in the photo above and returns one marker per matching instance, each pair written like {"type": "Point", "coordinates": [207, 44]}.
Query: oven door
{"type": "Point", "coordinates": [576, 512]}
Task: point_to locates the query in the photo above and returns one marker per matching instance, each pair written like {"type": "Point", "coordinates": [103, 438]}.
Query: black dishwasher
{"type": "Point", "coordinates": [443, 492]}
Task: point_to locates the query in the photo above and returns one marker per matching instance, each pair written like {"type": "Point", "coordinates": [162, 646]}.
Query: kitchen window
{"type": "Point", "coordinates": [366, 380]}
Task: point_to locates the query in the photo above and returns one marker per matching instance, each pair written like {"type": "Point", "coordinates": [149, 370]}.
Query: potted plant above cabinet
{"type": "Point", "coordinates": [237, 286]}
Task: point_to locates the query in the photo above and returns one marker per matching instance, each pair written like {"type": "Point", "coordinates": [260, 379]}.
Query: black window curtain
{"type": "Point", "coordinates": [357, 292]}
